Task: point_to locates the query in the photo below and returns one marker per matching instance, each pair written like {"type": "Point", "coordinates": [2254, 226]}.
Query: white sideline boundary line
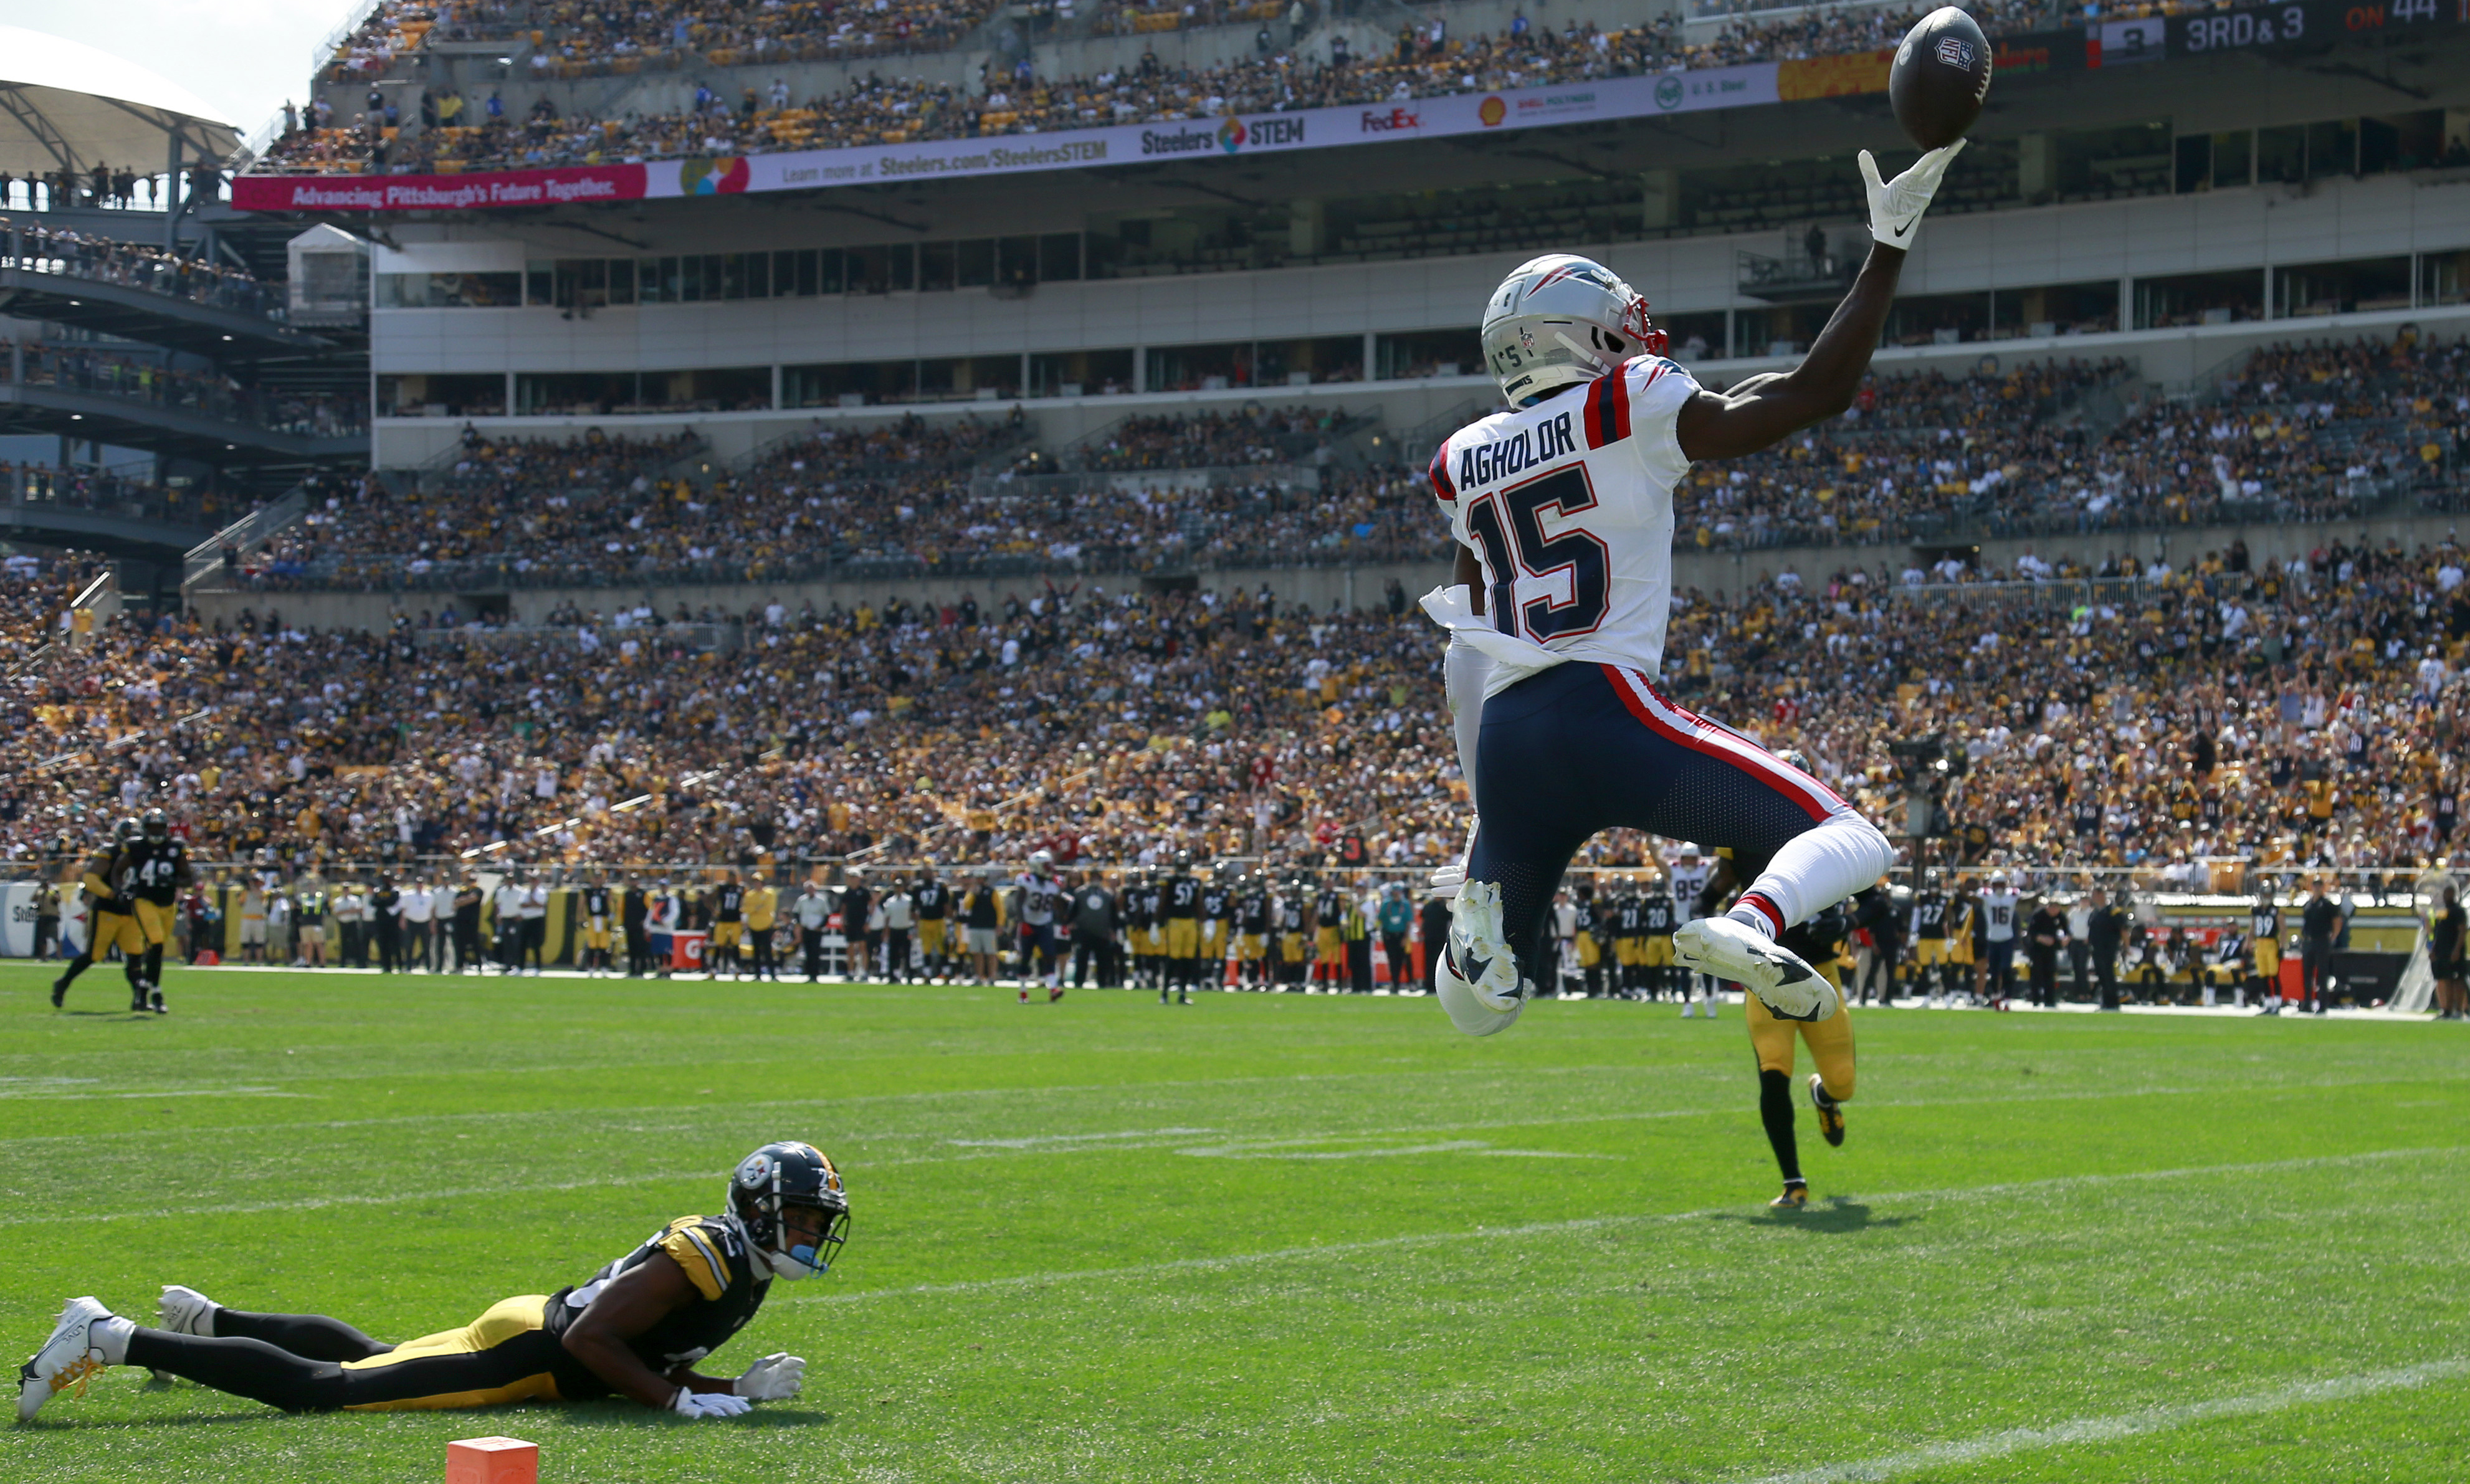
{"type": "Point", "coordinates": [2125, 1425]}
{"type": "Point", "coordinates": [1592, 1224]}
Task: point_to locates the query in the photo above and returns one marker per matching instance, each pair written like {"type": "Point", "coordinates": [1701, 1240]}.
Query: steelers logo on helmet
{"type": "Point", "coordinates": [1559, 321]}
{"type": "Point", "coordinates": [788, 1199]}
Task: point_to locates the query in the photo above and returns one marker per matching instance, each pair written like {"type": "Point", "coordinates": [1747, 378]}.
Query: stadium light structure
{"type": "Point", "coordinates": [68, 106]}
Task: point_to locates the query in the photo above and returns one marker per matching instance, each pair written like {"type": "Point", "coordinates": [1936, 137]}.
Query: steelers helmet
{"type": "Point", "coordinates": [157, 825]}
{"type": "Point", "coordinates": [1560, 320]}
{"type": "Point", "coordinates": [775, 1177]}
{"type": "Point", "coordinates": [127, 831]}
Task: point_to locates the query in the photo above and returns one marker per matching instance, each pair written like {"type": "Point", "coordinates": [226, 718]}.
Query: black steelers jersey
{"type": "Point", "coordinates": [1252, 910]}
{"type": "Point", "coordinates": [1659, 910]}
{"type": "Point", "coordinates": [156, 870]}
{"type": "Point", "coordinates": [727, 1293]}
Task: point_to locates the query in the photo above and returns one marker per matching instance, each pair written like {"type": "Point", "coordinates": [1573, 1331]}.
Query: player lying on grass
{"type": "Point", "coordinates": [1562, 508]}
{"type": "Point", "coordinates": [635, 1328]}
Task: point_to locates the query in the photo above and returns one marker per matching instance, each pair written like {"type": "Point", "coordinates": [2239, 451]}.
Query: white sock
{"type": "Point", "coordinates": [110, 1339]}
{"type": "Point", "coordinates": [1815, 870]}
{"type": "Point", "coordinates": [1745, 912]}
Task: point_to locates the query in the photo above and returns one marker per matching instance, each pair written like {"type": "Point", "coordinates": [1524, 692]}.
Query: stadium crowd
{"type": "Point", "coordinates": [148, 378]}
{"type": "Point", "coordinates": [2311, 432]}
{"type": "Point", "coordinates": [1208, 439]}
{"type": "Point", "coordinates": [1427, 60]}
{"type": "Point", "coordinates": [46, 249]}
{"type": "Point", "coordinates": [897, 499]}
{"type": "Point", "coordinates": [2295, 713]}
{"type": "Point", "coordinates": [2305, 433]}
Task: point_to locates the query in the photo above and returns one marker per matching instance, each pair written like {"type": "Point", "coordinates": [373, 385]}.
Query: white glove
{"type": "Point", "coordinates": [1444, 882]}
{"type": "Point", "coordinates": [775, 1377]}
{"type": "Point", "coordinates": [709, 1404]}
{"type": "Point", "coordinates": [1896, 206]}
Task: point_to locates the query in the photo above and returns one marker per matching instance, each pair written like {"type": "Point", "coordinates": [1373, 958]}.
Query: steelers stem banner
{"type": "Point", "coordinates": [1019, 154]}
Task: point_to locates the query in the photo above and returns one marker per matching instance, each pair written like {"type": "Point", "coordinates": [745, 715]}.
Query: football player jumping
{"type": "Point", "coordinates": [1562, 508]}
{"type": "Point", "coordinates": [634, 1329]}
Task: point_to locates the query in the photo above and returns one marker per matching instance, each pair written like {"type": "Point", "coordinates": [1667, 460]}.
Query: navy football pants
{"type": "Point", "coordinates": [1583, 748]}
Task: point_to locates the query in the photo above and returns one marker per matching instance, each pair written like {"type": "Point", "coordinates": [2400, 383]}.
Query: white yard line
{"type": "Point", "coordinates": [2125, 1425]}
{"type": "Point", "coordinates": [1061, 1144]}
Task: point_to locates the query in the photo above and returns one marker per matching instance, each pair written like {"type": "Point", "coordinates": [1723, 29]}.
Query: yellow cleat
{"type": "Point", "coordinates": [1795, 1196]}
{"type": "Point", "coordinates": [1831, 1113]}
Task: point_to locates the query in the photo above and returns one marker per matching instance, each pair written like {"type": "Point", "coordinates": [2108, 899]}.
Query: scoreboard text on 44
{"type": "Point", "coordinates": [2316, 22]}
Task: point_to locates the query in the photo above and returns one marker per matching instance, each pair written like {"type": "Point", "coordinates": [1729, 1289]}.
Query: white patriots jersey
{"type": "Point", "coordinates": [1038, 895]}
{"type": "Point", "coordinates": [1998, 912]}
{"type": "Point", "coordinates": [1568, 505]}
{"type": "Point", "coordinates": [1689, 884]}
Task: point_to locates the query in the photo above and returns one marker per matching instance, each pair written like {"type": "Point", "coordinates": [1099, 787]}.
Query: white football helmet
{"type": "Point", "coordinates": [1559, 321]}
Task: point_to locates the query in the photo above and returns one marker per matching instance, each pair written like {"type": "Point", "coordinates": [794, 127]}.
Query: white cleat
{"type": "Point", "coordinates": [1777, 975]}
{"type": "Point", "coordinates": [65, 1360]}
{"type": "Point", "coordinates": [183, 1311]}
{"type": "Point", "coordinates": [1477, 976]}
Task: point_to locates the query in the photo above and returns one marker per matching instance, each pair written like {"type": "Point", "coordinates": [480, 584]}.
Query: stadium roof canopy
{"type": "Point", "coordinates": [64, 104]}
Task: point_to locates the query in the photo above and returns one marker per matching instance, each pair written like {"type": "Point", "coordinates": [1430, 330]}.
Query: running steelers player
{"type": "Point", "coordinates": [635, 1328]}
{"type": "Point", "coordinates": [1562, 508]}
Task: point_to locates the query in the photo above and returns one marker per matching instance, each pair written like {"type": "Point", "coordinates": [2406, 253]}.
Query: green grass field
{"type": "Point", "coordinates": [1275, 1238]}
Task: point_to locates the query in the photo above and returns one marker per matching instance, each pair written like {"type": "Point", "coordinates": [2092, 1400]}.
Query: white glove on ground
{"type": "Point", "coordinates": [709, 1404]}
{"type": "Point", "coordinates": [775, 1377]}
{"type": "Point", "coordinates": [1896, 206]}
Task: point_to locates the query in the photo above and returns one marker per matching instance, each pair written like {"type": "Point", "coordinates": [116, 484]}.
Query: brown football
{"type": "Point", "coordinates": [1940, 76]}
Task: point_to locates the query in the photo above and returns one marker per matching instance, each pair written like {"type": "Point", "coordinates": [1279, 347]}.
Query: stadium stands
{"type": "Point", "coordinates": [1426, 61]}
{"type": "Point", "coordinates": [2305, 712]}
{"type": "Point", "coordinates": [2303, 434]}
{"type": "Point", "coordinates": [2297, 433]}
{"type": "Point", "coordinates": [897, 501]}
{"type": "Point", "coordinates": [36, 247]}
{"type": "Point", "coordinates": [147, 380]}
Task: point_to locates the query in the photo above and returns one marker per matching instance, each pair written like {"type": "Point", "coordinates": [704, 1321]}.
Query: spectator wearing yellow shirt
{"type": "Point", "coordinates": [763, 909]}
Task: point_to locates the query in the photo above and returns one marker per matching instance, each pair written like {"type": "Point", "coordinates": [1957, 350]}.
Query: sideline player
{"type": "Point", "coordinates": [1329, 949]}
{"type": "Point", "coordinates": [1181, 893]}
{"type": "Point", "coordinates": [1216, 913]}
{"type": "Point", "coordinates": [595, 929]}
{"type": "Point", "coordinates": [110, 920]}
{"type": "Point", "coordinates": [635, 1328]}
{"type": "Point", "coordinates": [2264, 941]}
{"type": "Point", "coordinates": [1562, 508]}
{"type": "Point", "coordinates": [933, 901]}
{"type": "Point", "coordinates": [156, 868]}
